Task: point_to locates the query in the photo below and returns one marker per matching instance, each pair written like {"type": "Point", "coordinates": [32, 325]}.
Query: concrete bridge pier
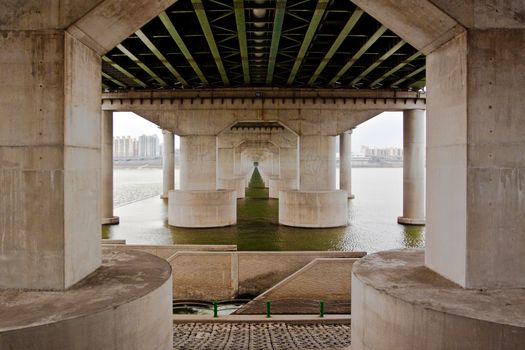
{"type": "Point", "coordinates": [106, 185]}
{"type": "Point", "coordinates": [317, 203]}
{"type": "Point", "coordinates": [345, 162]}
{"type": "Point", "coordinates": [168, 163]}
{"type": "Point", "coordinates": [413, 168]}
{"type": "Point", "coordinates": [198, 203]}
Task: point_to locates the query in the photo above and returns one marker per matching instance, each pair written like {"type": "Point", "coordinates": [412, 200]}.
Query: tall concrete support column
{"type": "Point", "coordinates": [168, 163]}
{"type": "Point", "coordinates": [289, 168]}
{"type": "Point", "coordinates": [49, 159]}
{"type": "Point", "coordinates": [345, 162]}
{"type": "Point", "coordinates": [106, 190]}
{"type": "Point", "coordinates": [413, 168]}
{"type": "Point", "coordinates": [275, 162]}
{"type": "Point", "coordinates": [225, 163]}
{"type": "Point", "coordinates": [317, 162]}
{"type": "Point", "coordinates": [198, 157]}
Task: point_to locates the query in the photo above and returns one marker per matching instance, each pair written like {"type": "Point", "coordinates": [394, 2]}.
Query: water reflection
{"type": "Point", "coordinates": [373, 222]}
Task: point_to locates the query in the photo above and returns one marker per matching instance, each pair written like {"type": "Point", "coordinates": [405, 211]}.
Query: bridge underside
{"type": "Point", "coordinates": [232, 43]}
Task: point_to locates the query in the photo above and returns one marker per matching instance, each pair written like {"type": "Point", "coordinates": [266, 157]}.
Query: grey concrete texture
{"type": "Point", "coordinates": [125, 304]}
{"type": "Point", "coordinates": [345, 162]}
{"type": "Point", "coordinates": [302, 118]}
{"type": "Point", "coordinates": [50, 160]}
{"type": "Point", "coordinates": [168, 163]}
{"type": "Point", "coordinates": [202, 208]}
{"type": "Point", "coordinates": [226, 275]}
{"type": "Point", "coordinates": [313, 208]}
{"type": "Point", "coordinates": [398, 303]}
{"type": "Point", "coordinates": [325, 279]}
{"type": "Point", "coordinates": [414, 144]}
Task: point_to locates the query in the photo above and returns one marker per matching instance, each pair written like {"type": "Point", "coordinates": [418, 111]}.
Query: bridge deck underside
{"type": "Point", "coordinates": [282, 43]}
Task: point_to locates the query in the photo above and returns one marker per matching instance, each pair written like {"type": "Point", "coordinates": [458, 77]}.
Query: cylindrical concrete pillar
{"type": "Point", "coordinates": [317, 163]}
{"type": "Point", "coordinates": [198, 154]}
{"type": "Point", "coordinates": [413, 168]}
{"type": "Point", "coordinates": [345, 162]}
{"type": "Point", "coordinates": [168, 163]}
{"type": "Point", "coordinates": [106, 194]}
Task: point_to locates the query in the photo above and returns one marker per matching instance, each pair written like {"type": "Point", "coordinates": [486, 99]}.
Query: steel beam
{"type": "Point", "coordinates": [377, 63]}
{"type": "Point", "coordinates": [160, 56]}
{"type": "Point", "coordinates": [310, 33]}
{"type": "Point", "coordinates": [208, 34]}
{"type": "Point", "coordinates": [396, 68]}
{"type": "Point", "coordinates": [280, 9]}
{"type": "Point", "coordinates": [182, 46]}
{"type": "Point", "coordinates": [352, 21]}
{"type": "Point", "coordinates": [141, 64]}
{"type": "Point", "coordinates": [358, 54]}
{"type": "Point", "coordinates": [124, 71]}
{"type": "Point", "coordinates": [115, 81]}
{"type": "Point", "coordinates": [238, 6]}
{"type": "Point", "coordinates": [414, 73]}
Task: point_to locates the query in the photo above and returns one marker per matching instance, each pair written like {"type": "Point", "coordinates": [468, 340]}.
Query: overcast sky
{"type": "Point", "coordinates": [385, 130]}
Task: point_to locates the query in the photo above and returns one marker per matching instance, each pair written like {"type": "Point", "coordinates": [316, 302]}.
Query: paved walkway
{"type": "Point", "coordinates": [260, 336]}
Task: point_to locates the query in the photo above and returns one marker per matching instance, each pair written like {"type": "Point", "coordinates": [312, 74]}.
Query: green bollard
{"type": "Point", "coordinates": [321, 308]}
{"type": "Point", "coordinates": [268, 309]}
{"type": "Point", "coordinates": [215, 309]}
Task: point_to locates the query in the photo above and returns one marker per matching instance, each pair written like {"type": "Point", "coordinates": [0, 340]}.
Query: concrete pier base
{"type": "Point", "coordinates": [114, 220]}
{"type": "Point", "coordinates": [125, 304]}
{"type": "Point", "coordinates": [273, 186]}
{"type": "Point", "coordinates": [238, 184]}
{"type": "Point", "coordinates": [313, 208]}
{"type": "Point", "coordinates": [411, 221]}
{"type": "Point", "coordinates": [194, 208]}
{"type": "Point", "coordinates": [398, 304]}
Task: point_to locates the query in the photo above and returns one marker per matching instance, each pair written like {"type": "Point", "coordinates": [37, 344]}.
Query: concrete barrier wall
{"type": "Point", "coordinates": [327, 279]}
{"type": "Point", "coordinates": [226, 275]}
{"type": "Point", "coordinates": [165, 251]}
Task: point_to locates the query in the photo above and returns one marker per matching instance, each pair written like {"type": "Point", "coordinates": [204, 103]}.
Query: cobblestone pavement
{"type": "Point", "coordinates": [260, 336]}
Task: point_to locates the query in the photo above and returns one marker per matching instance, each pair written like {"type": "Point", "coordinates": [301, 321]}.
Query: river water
{"type": "Point", "coordinates": [372, 215]}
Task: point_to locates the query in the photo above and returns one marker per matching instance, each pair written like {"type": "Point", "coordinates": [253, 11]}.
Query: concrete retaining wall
{"type": "Point", "coordinates": [327, 279]}
{"type": "Point", "coordinates": [226, 275]}
{"type": "Point", "coordinates": [165, 251]}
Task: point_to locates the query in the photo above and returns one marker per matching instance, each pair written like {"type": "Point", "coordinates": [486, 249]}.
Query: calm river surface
{"type": "Point", "coordinates": [372, 214]}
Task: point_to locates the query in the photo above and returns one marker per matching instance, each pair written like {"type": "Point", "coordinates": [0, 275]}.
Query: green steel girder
{"type": "Point", "coordinates": [205, 25]}
{"type": "Point", "coordinates": [115, 81]}
{"type": "Point", "coordinates": [182, 46]}
{"type": "Point", "coordinates": [124, 71]}
{"type": "Point", "coordinates": [310, 33]}
{"type": "Point", "coordinates": [414, 73]}
{"type": "Point", "coordinates": [350, 24]}
{"type": "Point", "coordinates": [280, 9]}
{"type": "Point", "coordinates": [238, 6]}
{"type": "Point", "coordinates": [358, 54]}
{"type": "Point", "coordinates": [141, 65]}
{"type": "Point", "coordinates": [395, 69]}
{"type": "Point", "coordinates": [377, 63]}
{"type": "Point", "coordinates": [160, 56]}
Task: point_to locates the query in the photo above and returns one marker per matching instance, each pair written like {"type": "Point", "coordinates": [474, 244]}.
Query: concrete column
{"type": "Point", "coordinates": [413, 168]}
{"type": "Point", "coordinates": [237, 161]}
{"type": "Point", "coordinates": [50, 160]}
{"type": "Point", "coordinates": [276, 161]}
{"type": "Point", "coordinates": [289, 166]}
{"type": "Point", "coordinates": [168, 163]}
{"type": "Point", "coordinates": [198, 162]}
{"type": "Point", "coordinates": [317, 162]}
{"type": "Point", "coordinates": [106, 190]}
{"type": "Point", "coordinates": [345, 162]}
{"type": "Point", "coordinates": [225, 163]}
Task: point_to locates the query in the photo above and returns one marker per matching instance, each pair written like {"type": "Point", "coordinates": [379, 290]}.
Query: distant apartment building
{"type": "Point", "coordinates": [145, 147]}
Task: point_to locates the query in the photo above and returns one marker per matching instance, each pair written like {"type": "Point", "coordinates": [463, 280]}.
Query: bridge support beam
{"type": "Point", "coordinates": [413, 168]}
{"type": "Point", "coordinates": [106, 190]}
{"type": "Point", "coordinates": [168, 163]}
{"type": "Point", "coordinates": [345, 162]}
